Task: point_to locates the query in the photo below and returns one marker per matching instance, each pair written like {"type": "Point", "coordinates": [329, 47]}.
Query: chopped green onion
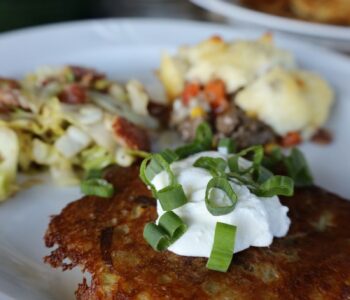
{"type": "Point", "coordinates": [173, 225]}
{"type": "Point", "coordinates": [215, 165]}
{"type": "Point", "coordinates": [169, 155]}
{"type": "Point", "coordinates": [156, 236]}
{"type": "Point", "coordinates": [202, 142]}
{"type": "Point", "coordinates": [143, 175]}
{"type": "Point", "coordinates": [258, 155]}
{"type": "Point", "coordinates": [204, 135]}
{"type": "Point", "coordinates": [273, 158]}
{"type": "Point", "coordinates": [171, 197]}
{"type": "Point", "coordinates": [276, 185]}
{"type": "Point", "coordinates": [263, 174]}
{"type": "Point", "coordinates": [152, 166]}
{"type": "Point", "coordinates": [138, 153]}
{"type": "Point", "coordinates": [297, 168]}
{"type": "Point", "coordinates": [94, 173]}
{"type": "Point", "coordinates": [213, 206]}
{"type": "Point", "coordinates": [233, 164]}
{"type": "Point", "coordinates": [228, 145]}
{"type": "Point", "coordinates": [189, 149]}
{"type": "Point", "coordinates": [223, 247]}
{"type": "Point", "coordinates": [97, 187]}
{"type": "Point", "coordinates": [169, 229]}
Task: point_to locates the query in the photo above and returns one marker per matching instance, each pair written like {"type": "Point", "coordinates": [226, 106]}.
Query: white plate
{"type": "Point", "coordinates": [125, 49]}
{"type": "Point", "coordinates": [337, 37]}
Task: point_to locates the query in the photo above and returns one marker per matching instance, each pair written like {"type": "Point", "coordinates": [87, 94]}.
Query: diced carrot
{"type": "Point", "coordinates": [215, 93]}
{"type": "Point", "coordinates": [191, 90]}
{"type": "Point", "coordinates": [291, 139]}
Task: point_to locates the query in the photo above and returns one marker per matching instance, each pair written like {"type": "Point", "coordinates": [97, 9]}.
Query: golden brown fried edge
{"type": "Point", "coordinates": [104, 237]}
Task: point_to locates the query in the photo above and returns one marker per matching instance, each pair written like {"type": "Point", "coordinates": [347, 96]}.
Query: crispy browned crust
{"type": "Point", "coordinates": [104, 237]}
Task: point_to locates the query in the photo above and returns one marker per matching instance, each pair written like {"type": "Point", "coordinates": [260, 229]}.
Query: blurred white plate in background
{"type": "Point", "coordinates": [127, 49]}
{"type": "Point", "coordinates": [336, 37]}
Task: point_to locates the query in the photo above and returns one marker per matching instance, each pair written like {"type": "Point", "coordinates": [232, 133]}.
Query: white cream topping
{"type": "Point", "coordinates": [258, 219]}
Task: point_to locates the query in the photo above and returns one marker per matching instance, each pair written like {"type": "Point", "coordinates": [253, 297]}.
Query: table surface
{"type": "Point", "coordinates": [23, 13]}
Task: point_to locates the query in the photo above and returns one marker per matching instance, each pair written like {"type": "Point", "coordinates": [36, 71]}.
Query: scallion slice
{"type": "Point", "coordinates": [171, 197]}
{"type": "Point", "coordinates": [152, 166]}
{"type": "Point", "coordinates": [170, 228]}
{"type": "Point", "coordinates": [215, 165]}
{"type": "Point", "coordinates": [258, 155]}
{"type": "Point", "coordinates": [94, 173]}
{"type": "Point", "coordinates": [169, 155]}
{"type": "Point", "coordinates": [228, 145]}
{"type": "Point", "coordinates": [173, 225]}
{"type": "Point", "coordinates": [97, 187]}
{"type": "Point", "coordinates": [204, 135]}
{"type": "Point", "coordinates": [189, 149]}
{"type": "Point", "coordinates": [213, 206]}
{"type": "Point", "coordinates": [156, 236]}
{"type": "Point", "coordinates": [223, 247]}
{"type": "Point", "coordinates": [276, 185]}
{"type": "Point", "coordinates": [202, 142]}
{"type": "Point", "coordinates": [297, 168]}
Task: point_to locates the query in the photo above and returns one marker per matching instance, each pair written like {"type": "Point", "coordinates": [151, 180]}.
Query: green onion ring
{"type": "Point", "coordinates": [156, 237]}
{"type": "Point", "coordinates": [223, 247]}
{"type": "Point", "coordinates": [215, 165]}
{"type": "Point", "coordinates": [222, 184]}
{"type": "Point", "coordinates": [227, 143]}
{"type": "Point", "coordinates": [97, 187]}
{"type": "Point", "coordinates": [276, 185]}
{"type": "Point", "coordinates": [171, 197]}
{"type": "Point", "coordinates": [173, 225]}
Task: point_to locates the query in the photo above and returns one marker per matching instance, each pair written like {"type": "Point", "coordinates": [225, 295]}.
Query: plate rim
{"type": "Point", "coordinates": [15, 34]}
{"type": "Point", "coordinates": [234, 11]}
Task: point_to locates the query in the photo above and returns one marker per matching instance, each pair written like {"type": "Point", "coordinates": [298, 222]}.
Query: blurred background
{"type": "Point", "coordinates": [16, 14]}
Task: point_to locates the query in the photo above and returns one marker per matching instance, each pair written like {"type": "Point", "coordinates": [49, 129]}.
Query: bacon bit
{"type": "Point", "coordinates": [8, 83]}
{"type": "Point", "coordinates": [191, 90]}
{"type": "Point", "coordinates": [86, 76]}
{"type": "Point", "coordinates": [73, 94]}
{"type": "Point", "coordinates": [322, 136]}
{"type": "Point", "coordinates": [291, 139]}
{"type": "Point", "coordinates": [215, 93]}
{"type": "Point", "coordinates": [9, 94]}
{"type": "Point", "coordinates": [159, 111]}
{"type": "Point", "coordinates": [130, 135]}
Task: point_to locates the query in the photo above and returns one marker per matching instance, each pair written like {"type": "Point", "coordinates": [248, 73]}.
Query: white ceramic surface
{"type": "Point", "coordinates": [126, 49]}
{"type": "Point", "coordinates": [337, 37]}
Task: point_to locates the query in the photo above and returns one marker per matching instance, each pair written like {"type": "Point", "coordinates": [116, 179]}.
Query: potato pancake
{"type": "Point", "coordinates": [105, 238]}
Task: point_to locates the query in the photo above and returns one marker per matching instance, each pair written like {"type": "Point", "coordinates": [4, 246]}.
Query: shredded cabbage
{"type": "Point", "coordinates": [67, 137]}
{"type": "Point", "coordinates": [9, 151]}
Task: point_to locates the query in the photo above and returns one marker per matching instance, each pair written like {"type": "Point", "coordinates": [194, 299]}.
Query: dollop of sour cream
{"type": "Point", "coordinates": [258, 219]}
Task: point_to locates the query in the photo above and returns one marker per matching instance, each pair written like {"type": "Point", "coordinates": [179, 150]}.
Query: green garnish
{"type": "Point", "coordinates": [223, 247]}
{"type": "Point", "coordinates": [220, 197]}
{"type": "Point", "coordinates": [276, 185]}
{"type": "Point", "coordinates": [168, 230]}
{"type": "Point", "coordinates": [297, 168]}
{"type": "Point", "coordinates": [156, 237]}
{"type": "Point", "coordinates": [230, 197]}
{"type": "Point", "coordinates": [97, 187]}
{"type": "Point", "coordinates": [173, 225]}
{"type": "Point", "coordinates": [228, 145]}
{"type": "Point", "coordinates": [202, 142]}
{"type": "Point", "coordinates": [294, 163]}
{"type": "Point", "coordinates": [216, 166]}
{"type": "Point", "coordinates": [171, 197]}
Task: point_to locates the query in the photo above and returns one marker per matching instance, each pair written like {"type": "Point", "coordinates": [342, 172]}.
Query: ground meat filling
{"type": "Point", "coordinates": [246, 131]}
{"type": "Point", "coordinates": [232, 122]}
